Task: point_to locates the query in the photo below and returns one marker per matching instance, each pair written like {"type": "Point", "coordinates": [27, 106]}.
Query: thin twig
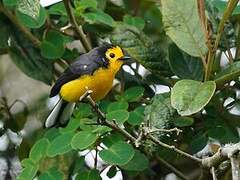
{"type": "Point", "coordinates": [124, 132]}
{"type": "Point", "coordinates": [155, 140]}
{"type": "Point", "coordinates": [22, 28]}
{"type": "Point", "coordinates": [211, 56]}
{"type": "Point", "coordinates": [178, 131]}
{"type": "Point", "coordinates": [76, 27]}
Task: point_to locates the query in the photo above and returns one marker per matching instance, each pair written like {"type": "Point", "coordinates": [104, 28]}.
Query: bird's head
{"type": "Point", "coordinates": [115, 57]}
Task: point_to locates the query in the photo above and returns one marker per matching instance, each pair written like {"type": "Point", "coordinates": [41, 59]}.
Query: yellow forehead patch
{"type": "Point", "coordinates": [117, 51]}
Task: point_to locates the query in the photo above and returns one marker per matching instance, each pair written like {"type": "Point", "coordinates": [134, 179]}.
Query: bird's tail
{"type": "Point", "coordinates": [60, 114]}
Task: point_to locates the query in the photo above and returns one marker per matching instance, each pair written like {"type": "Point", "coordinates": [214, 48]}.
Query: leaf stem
{"type": "Point", "coordinates": [22, 28]}
{"type": "Point", "coordinates": [211, 55]}
{"type": "Point", "coordinates": [76, 27]}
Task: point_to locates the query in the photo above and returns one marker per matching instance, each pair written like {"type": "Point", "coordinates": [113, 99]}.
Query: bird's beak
{"type": "Point", "coordinates": [125, 58]}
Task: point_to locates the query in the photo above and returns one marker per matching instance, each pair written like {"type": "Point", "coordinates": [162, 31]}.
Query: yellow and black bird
{"type": "Point", "coordinates": [93, 71]}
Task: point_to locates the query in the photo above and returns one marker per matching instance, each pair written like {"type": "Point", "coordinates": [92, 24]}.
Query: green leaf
{"type": "Point", "coordinates": [72, 125]}
{"type": "Point", "coordinates": [28, 59]}
{"type": "Point", "coordinates": [83, 140]}
{"type": "Point", "coordinates": [134, 21]}
{"type": "Point", "coordinates": [83, 110]}
{"type": "Point", "coordinates": [133, 94]}
{"type": "Point", "coordinates": [160, 113]}
{"type": "Point", "coordinates": [30, 8]}
{"type": "Point", "coordinates": [10, 3]}
{"type": "Point", "coordinates": [198, 142]}
{"type": "Point", "coordinates": [53, 45]}
{"type": "Point", "coordinates": [183, 26]}
{"type": "Point", "coordinates": [152, 55]}
{"type": "Point", "coordinates": [189, 97]}
{"type": "Point", "coordinates": [86, 124]}
{"type": "Point", "coordinates": [50, 51]}
{"type": "Point", "coordinates": [111, 139]}
{"type": "Point", "coordinates": [103, 105]}
{"type": "Point", "coordinates": [60, 145]}
{"type": "Point", "coordinates": [52, 174]}
{"type": "Point", "coordinates": [119, 153]}
{"type": "Point", "coordinates": [139, 162]}
{"type": "Point", "coordinates": [101, 130]}
{"type": "Point", "coordinates": [51, 134]}
{"type": "Point", "coordinates": [57, 9]}
{"type": "Point", "coordinates": [122, 105]}
{"type": "Point", "coordinates": [136, 117]}
{"type": "Point", "coordinates": [120, 116]}
{"type": "Point", "coordinates": [89, 175]}
{"type": "Point", "coordinates": [29, 171]}
{"type": "Point", "coordinates": [217, 133]}
{"type": "Point", "coordinates": [183, 65]}
{"type": "Point", "coordinates": [39, 149]}
{"type": "Point", "coordinates": [227, 74]}
{"type": "Point", "coordinates": [98, 17]}
{"type": "Point", "coordinates": [84, 4]}
{"type": "Point", "coordinates": [112, 172]}
{"type": "Point", "coordinates": [27, 162]}
{"type": "Point", "coordinates": [30, 21]}
{"type": "Point", "coordinates": [183, 121]}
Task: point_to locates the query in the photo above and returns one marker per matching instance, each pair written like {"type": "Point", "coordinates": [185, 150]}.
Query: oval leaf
{"type": "Point", "coordinates": [133, 94]}
{"type": "Point", "coordinates": [160, 113]}
{"type": "Point", "coordinates": [117, 106]}
{"type": "Point", "coordinates": [29, 21]}
{"type": "Point", "coordinates": [83, 139]}
{"type": "Point", "coordinates": [139, 162]}
{"type": "Point", "coordinates": [30, 8]}
{"type": "Point", "coordinates": [39, 150]}
{"type": "Point", "coordinates": [183, 26]}
{"type": "Point", "coordinates": [136, 117]}
{"type": "Point", "coordinates": [183, 121]}
{"type": "Point", "coordinates": [89, 175]}
{"type": "Point", "coordinates": [134, 21]}
{"type": "Point", "coordinates": [119, 153]}
{"type": "Point", "coordinates": [98, 16]}
{"type": "Point", "coordinates": [60, 145]}
{"type": "Point", "coordinates": [183, 65]}
{"type": "Point", "coordinates": [120, 116]}
{"type": "Point", "coordinates": [189, 97]}
{"type": "Point", "coordinates": [29, 171]}
{"type": "Point", "coordinates": [52, 174]}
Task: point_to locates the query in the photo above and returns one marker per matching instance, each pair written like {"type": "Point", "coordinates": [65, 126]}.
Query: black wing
{"type": "Point", "coordinates": [84, 64]}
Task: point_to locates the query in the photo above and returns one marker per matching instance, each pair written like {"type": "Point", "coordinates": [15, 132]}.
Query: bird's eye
{"type": "Point", "coordinates": [112, 55]}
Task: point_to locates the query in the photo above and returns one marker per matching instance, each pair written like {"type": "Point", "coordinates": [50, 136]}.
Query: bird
{"type": "Point", "coordinates": [94, 71]}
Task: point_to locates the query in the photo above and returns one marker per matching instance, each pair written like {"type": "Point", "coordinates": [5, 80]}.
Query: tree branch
{"type": "Point", "coordinates": [76, 27]}
{"type": "Point", "coordinates": [211, 56]}
{"type": "Point", "coordinates": [124, 132]}
{"type": "Point", "coordinates": [173, 148]}
{"type": "Point", "coordinates": [22, 28]}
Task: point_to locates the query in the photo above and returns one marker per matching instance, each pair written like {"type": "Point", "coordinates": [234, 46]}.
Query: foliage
{"type": "Point", "coordinates": [178, 43]}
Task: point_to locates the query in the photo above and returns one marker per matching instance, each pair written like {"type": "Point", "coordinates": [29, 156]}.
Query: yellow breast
{"type": "Point", "coordinates": [100, 83]}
